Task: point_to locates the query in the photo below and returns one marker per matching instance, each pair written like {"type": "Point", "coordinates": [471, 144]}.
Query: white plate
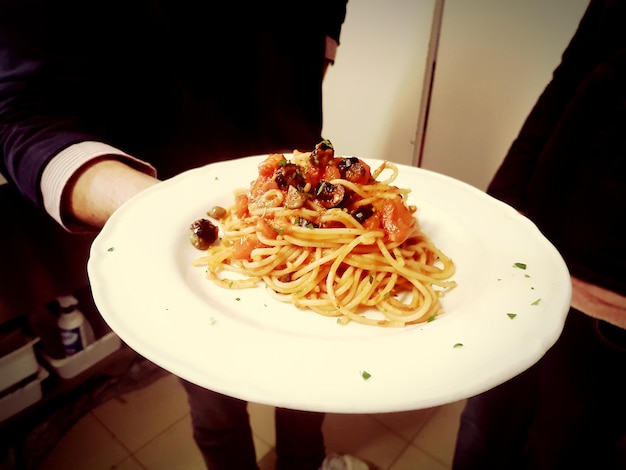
{"type": "Point", "coordinates": [245, 344]}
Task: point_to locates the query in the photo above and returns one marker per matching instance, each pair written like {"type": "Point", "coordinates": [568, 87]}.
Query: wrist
{"type": "Point", "coordinates": [98, 188]}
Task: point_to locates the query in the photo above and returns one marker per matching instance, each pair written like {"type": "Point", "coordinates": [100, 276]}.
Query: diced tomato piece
{"type": "Point", "coordinates": [244, 246]}
{"type": "Point", "coordinates": [323, 154]}
{"type": "Point", "coordinates": [332, 224]}
{"type": "Point", "coordinates": [396, 219]}
{"type": "Point", "coordinates": [311, 175]}
{"type": "Point", "coordinates": [261, 185]}
{"type": "Point", "coordinates": [372, 223]}
{"type": "Point", "coordinates": [331, 172]}
{"type": "Point", "coordinates": [270, 164]}
{"type": "Point", "coordinates": [241, 205]}
{"type": "Point", "coordinates": [265, 229]}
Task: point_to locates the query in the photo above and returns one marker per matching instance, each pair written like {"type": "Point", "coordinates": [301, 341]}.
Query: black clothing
{"type": "Point", "coordinates": [567, 168]}
{"type": "Point", "coordinates": [175, 83]}
{"type": "Point", "coordinates": [567, 172]}
{"type": "Point", "coordinates": [567, 411]}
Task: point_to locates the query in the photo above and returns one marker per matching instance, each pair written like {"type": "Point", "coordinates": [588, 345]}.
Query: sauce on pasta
{"type": "Point", "coordinates": [326, 233]}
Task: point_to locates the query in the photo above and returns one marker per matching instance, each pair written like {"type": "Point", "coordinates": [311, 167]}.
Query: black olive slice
{"type": "Point", "coordinates": [203, 233]}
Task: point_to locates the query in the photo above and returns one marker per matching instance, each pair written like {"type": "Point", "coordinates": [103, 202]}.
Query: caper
{"type": "Point", "coordinates": [217, 212]}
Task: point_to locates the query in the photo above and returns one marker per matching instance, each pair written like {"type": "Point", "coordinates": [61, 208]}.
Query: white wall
{"type": "Point", "coordinates": [372, 94]}
{"type": "Point", "coordinates": [495, 57]}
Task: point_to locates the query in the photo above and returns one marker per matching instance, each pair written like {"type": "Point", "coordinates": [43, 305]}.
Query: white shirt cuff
{"type": "Point", "coordinates": [60, 169]}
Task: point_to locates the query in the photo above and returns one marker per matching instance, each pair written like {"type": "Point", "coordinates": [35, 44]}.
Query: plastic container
{"type": "Point", "coordinates": [73, 365]}
{"type": "Point", "coordinates": [25, 396]}
{"type": "Point", "coordinates": [76, 332]}
{"type": "Point", "coordinates": [20, 363]}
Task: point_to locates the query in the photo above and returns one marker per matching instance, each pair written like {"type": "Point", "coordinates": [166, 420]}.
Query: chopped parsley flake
{"type": "Point", "coordinates": [366, 375]}
{"type": "Point", "coordinates": [536, 302]}
{"type": "Point", "coordinates": [511, 315]}
{"type": "Point", "coordinates": [111, 249]}
{"type": "Point", "coordinates": [431, 318]}
{"type": "Point", "coordinates": [520, 265]}
{"type": "Point", "coordinates": [326, 144]}
{"type": "Point", "coordinates": [458, 345]}
{"type": "Point", "coordinates": [321, 188]}
{"type": "Point", "coordinates": [237, 299]}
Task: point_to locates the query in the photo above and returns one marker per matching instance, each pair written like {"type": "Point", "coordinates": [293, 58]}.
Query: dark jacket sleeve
{"type": "Point", "coordinates": [175, 83]}
{"type": "Point", "coordinates": [151, 77]}
{"type": "Point", "coordinates": [36, 119]}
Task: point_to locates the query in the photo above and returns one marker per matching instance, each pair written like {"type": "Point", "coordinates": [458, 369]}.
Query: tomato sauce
{"type": "Point", "coordinates": [308, 177]}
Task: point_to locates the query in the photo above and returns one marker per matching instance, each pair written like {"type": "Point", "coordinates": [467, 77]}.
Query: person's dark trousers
{"type": "Point", "coordinates": [567, 411]}
{"type": "Point", "coordinates": [221, 429]}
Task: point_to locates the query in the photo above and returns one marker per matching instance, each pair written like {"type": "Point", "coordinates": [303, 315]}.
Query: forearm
{"type": "Point", "coordinates": [599, 303]}
{"type": "Point", "coordinates": [99, 188]}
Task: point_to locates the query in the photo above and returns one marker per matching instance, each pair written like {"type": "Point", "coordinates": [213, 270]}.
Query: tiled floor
{"type": "Point", "coordinates": [150, 429]}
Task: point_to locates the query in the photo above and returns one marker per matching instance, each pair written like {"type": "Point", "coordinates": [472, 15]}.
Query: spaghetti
{"type": "Point", "coordinates": [323, 233]}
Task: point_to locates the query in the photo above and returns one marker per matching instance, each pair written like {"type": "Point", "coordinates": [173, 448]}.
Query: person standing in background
{"type": "Point", "coordinates": [566, 171]}
{"type": "Point", "coordinates": [100, 100]}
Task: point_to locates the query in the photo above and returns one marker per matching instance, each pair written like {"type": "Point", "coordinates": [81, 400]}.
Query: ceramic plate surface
{"type": "Point", "coordinates": [498, 321]}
